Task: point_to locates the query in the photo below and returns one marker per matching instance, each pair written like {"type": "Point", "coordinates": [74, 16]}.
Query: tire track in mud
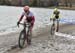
{"type": "Point", "coordinates": [63, 29]}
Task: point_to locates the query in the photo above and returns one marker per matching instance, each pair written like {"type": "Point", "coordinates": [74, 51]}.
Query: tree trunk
{"type": "Point", "coordinates": [70, 3]}
{"type": "Point", "coordinates": [34, 3]}
{"type": "Point", "coordinates": [66, 3]}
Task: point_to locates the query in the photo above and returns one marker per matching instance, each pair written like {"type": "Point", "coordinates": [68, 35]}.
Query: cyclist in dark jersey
{"type": "Point", "coordinates": [55, 16]}
{"type": "Point", "coordinates": [56, 13]}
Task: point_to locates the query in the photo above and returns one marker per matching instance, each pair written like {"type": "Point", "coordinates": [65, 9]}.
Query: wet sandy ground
{"type": "Point", "coordinates": [42, 42]}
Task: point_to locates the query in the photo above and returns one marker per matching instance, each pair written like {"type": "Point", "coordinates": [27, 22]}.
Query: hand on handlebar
{"type": "Point", "coordinates": [51, 19]}
{"type": "Point", "coordinates": [18, 24]}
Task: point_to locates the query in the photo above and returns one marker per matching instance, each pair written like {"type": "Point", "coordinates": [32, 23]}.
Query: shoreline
{"type": "Point", "coordinates": [60, 7]}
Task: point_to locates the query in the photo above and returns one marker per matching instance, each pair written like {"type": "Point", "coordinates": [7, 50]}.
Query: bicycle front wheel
{"type": "Point", "coordinates": [52, 29]}
{"type": "Point", "coordinates": [21, 40]}
{"type": "Point", "coordinates": [57, 26]}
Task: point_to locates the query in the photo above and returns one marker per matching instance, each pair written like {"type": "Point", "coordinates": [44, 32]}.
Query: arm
{"type": "Point", "coordinates": [21, 18]}
{"type": "Point", "coordinates": [33, 19]}
{"type": "Point", "coordinates": [52, 16]}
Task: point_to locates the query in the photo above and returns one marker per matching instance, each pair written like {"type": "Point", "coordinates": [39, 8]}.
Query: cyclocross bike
{"type": "Point", "coordinates": [54, 26]}
{"type": "Point", "coordinates": [25, 35]}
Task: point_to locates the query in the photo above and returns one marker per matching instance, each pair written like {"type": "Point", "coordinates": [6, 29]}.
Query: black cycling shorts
{"type": "Point", "coordinates": [57, 17]}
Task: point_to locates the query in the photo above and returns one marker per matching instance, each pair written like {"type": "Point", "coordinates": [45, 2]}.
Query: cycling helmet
{"type": "Point", "coordinates": [26, 8]}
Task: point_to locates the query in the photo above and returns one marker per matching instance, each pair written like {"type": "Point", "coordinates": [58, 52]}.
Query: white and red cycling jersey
{"type": "Point", "coordinates": [29, 17]}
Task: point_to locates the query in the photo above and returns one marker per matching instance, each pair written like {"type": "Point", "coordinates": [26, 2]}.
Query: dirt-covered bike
{"type": "Point", "coordinates": [54, 26]}
{"type": "Point", "coordinates": [25, 35]}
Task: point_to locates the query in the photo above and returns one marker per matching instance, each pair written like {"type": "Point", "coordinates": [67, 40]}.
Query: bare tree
{"type": "Point", "coordinates": [20, 2]}
{"type": "Point", "coordinates": [34, 3]}
{"type": "Point", "coordinates": [70, 3]}
{"type": "Point", "coordinates": [66, 3]}
{"type": "Point", "coordinates": [2, 2]}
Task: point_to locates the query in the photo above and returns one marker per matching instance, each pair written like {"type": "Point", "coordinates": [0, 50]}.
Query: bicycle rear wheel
{"type": "Point", "coordinates": [21, 40]}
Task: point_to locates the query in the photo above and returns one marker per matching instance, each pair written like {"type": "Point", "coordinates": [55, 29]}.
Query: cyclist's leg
{"type": "Point", "coordinates": [57, 25]}
{"type": "Point", "coordinates": [54, 23]}
{"type": "Point", "coordinates": [53, 27]}
{"type": "Point", "coordinates": [30, 35]}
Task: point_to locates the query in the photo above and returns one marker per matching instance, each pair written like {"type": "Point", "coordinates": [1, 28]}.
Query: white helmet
{"type": "Point", "coordinates": [26, 8]}
{"type": "Point", "coordinates": [56, 9]}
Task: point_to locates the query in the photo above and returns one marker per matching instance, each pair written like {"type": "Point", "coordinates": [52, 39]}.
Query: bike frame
{"type": "Point", "coordinates": [26, 28]}
{"type": "Point", "coordinates": [55, 25]}
{"type": "Point", "coordinates": [24, 35]}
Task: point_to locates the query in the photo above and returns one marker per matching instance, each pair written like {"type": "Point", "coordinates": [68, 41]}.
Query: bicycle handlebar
{"type": "Point", "coordinates": [51, 19]}
{"type": "Point", "coordinates": [27, 24]}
